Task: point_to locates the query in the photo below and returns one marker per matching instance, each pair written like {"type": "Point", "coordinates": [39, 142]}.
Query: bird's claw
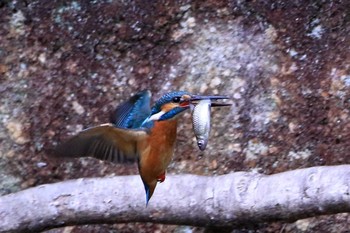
{"type": "Point", "coordinates": [161, 177]}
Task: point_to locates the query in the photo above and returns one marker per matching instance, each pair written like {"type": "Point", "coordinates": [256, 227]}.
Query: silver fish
{"type": "Point", "coordinates": [201, 122]}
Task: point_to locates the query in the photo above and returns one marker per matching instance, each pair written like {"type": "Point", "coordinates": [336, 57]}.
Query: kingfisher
{"type": "Point", "coordinates": [137, 132]}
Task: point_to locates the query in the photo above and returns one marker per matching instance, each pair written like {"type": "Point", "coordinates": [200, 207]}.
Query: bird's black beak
{"type": "Point", "coordinates": [214, 98]}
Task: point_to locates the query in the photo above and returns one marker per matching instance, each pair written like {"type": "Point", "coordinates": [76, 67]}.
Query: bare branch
{"type": "Point", "coordinates": [227, 200]}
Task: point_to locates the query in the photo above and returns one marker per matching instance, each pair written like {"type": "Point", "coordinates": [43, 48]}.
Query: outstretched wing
{"type": "Point", "coordinates": [105, 142]}
{"type": "Point", "coordinates": [133, 112]}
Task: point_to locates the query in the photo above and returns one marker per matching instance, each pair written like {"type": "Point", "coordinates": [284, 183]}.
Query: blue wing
{"type": "Point", "coordinates": [132, 113]}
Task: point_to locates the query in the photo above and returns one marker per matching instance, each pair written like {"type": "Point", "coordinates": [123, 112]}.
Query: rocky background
{"type": "Point", "coordinates": [65, 65]}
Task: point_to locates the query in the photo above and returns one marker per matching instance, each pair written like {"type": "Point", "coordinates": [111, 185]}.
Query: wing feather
{"type": "Point", "coordinates": [104, 142]}
{"type": "Point", "coordinates": [132, 112]}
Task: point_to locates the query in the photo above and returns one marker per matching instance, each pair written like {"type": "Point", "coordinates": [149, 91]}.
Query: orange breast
{"type": "Point", "coordinates": [158, 150]}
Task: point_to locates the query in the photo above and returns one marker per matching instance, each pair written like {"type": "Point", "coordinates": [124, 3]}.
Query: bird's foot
{"type": "Point", "coordinates": [161, 177]}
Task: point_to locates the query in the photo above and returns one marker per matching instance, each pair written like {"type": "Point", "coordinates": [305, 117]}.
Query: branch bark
{"type": "Point", "coordinates": [228, 200]}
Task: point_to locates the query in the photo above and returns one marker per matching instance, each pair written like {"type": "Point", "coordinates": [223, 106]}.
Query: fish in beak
{"type": "Point", "coordinates": [200, 107]}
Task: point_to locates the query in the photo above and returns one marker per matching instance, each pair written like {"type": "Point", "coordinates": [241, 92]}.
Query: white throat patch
{"type": "Point", "coordinates": [156, 116]}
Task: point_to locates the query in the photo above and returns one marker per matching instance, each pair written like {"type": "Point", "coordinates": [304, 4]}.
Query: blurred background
{"type": "Point", "coordinates": [65, 65]}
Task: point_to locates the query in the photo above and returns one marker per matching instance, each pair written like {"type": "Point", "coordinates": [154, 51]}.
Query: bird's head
{"type": "Point", "coordinates": [170, 105]}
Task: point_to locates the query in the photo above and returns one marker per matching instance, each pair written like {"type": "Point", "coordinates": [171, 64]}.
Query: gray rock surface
{"type": "Point", "coordinates": [64, 65]}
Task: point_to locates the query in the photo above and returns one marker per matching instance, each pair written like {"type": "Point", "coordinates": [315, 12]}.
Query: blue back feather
{"type": "Point", "coordinates": [132, 113]}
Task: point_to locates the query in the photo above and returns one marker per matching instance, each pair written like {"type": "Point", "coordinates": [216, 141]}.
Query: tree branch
{"type": "Point", "coordinates": [227, 200]}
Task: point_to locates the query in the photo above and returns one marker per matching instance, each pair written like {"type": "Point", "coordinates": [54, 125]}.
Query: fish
{"type": "Point", "coordinates": [201, 122]}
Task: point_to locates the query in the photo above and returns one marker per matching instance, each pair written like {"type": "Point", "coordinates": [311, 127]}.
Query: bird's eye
{"type": "Point", "coordinates": [176, 99]}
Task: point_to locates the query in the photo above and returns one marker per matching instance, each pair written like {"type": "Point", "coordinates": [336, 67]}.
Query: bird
{"type": "Point", "coordinates": [137, 132]}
